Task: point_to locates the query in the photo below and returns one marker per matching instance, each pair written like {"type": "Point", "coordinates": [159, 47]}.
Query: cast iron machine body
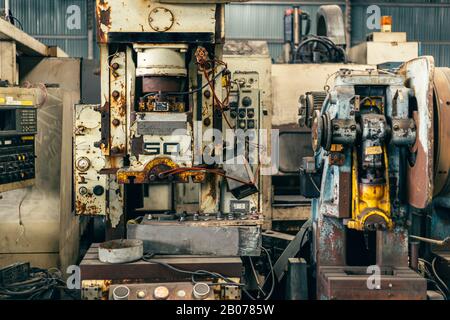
{"type": "Point", "coordinates": [366, 138]}
{"type": "Point", "coordinates": [157, 146]}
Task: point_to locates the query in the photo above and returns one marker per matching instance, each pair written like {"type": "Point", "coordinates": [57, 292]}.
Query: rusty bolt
{"type": "Point", "coordinates": [207, 94]}
{"type": "Point", "coordinates": [116, 94]}
{"type": "Point", "coordinates": [207, 122]}
{"type": "Point", "coordinates": [115, 150]}
{"type": "Point", "coordinates": [116, 122]}
{"type": "Point", "coordinates": [396, 127]}
{"type": "Point", "coordinates": [115, 66]}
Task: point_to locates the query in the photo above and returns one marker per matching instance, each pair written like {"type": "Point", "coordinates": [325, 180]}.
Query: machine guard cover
{"type": "Point", "coordinates": [419, 75]}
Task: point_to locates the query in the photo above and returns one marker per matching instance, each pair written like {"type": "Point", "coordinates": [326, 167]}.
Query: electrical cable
{"type": "Point", "coordinates": [204, 273]}
{"type": "Point", "coordinates": [186, 92]}
{"type": "Point", "coordinates": [9, 17]}
{"type": "Point", "coordinates": [256, 276]}
{"type": "Point", "coordinates": [41, 283]}
{"type": "Point", "coordinates": [433, 268]}
{"type": "Point", "coordinates": [429, 276]}
{"type": "Point", "coordinates": [333, 52]}
{"type": "Point", "coordinates": [272, 273]}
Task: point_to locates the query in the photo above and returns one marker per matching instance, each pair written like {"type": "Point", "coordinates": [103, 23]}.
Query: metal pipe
{"type": "Point", "coordinates": [7, 8]}
{"type": "Point", "coordinates": [432, 241]}
{"type": "Point", "coordinates": [348, 25]}
{"type": "Point", "coordinates": [296, 28]}
{"type": "Point", "coordinates": [90, 44]}
{"type": "Point", "coordinates": [414, 255]}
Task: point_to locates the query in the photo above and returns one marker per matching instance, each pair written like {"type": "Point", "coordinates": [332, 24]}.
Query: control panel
{"type": "Point", "coordinates": [18, 128]}
{"type": "Point", "coordinates": [162, 291]}
{"type": "Point", "coordinates": [245, 109]}
{"type": "Point", "coordinates": [245, 114]}
{"type": "Point", "coordinates": [90, 185]}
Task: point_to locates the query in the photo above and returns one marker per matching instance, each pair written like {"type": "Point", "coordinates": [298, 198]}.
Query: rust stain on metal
{"type": "Point", "coordinates": [103, 12]}
{"type": "Point", "coordinates": [156, 166]}
{"type": "Point", "coordinates": [345, 207]}
{"type": "Point", "coordinates": [211, 180]}
{"type": "Point", "coordinates": [86, 207]}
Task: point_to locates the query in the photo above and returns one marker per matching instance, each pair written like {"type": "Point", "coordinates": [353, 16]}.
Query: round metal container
{"type": "Point", "coordinates": [121, 251]}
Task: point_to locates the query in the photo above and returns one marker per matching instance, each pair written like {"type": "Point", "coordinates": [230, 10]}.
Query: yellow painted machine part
{"type": "Point", "coordinates": [370, 199]}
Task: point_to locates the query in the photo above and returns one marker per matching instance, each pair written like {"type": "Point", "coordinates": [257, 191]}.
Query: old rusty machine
{"type": "Point", "coordinates": [171, 156]}
{"type": "Point", "coordinates": [380, 175]}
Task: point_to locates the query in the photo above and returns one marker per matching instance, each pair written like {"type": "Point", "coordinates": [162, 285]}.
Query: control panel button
{"type": "Point", "coordinates": [161, 293]}
{"type": "Point", "coordinates": [201, 291]}
{"type": "Point", "coordinates": [121, 293]}
{"type": "Point", "coordinates": [99, 190]}
{"type": "Point", "coordinates": [141, 294]}
{"type": "Point", "coordinates": [83, 164]}
{"type": "Point", "coordinates": [247, 101]}
{"type": "Point", "coordinates": [181, 294]}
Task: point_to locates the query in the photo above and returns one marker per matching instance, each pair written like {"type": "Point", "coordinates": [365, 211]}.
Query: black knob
{"type": "Point", "coordinates": [99, 190]}
{"type": "Point", "coordinates": [251, 124]}
{"type": "Point", "coordinates": [247, 101]}
{"type": "Point", "coordinates": [234, 104]}
{"type": "Point", "coordinates": [250, 113]}
{"type": "Point", "coordinates": [242, 114]}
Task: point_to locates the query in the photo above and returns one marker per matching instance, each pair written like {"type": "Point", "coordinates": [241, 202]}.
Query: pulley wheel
{"type": "Point", "coordinates": [317, 131]}
{"type": "Point", "coordinates": [441, 131]}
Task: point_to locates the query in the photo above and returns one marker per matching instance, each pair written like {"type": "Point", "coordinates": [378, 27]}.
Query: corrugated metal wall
{"type": "Point", "coordinates": [424, 21]}
{"type": "Point", "coordinates": [46, 20]}
{"type": "Point", "coordinates": [261, 22]}
{"type": "Point", "coordinates": [428, 23]}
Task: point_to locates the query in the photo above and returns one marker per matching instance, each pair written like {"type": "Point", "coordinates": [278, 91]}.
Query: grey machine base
{"type": "Point", "coordinates": [190, 238]}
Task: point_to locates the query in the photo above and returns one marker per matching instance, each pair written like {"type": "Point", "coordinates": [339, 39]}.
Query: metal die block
{"type": "Point", "coordinates": [350, 283]}
{"type": "Point", "coordinates": [231, 238]}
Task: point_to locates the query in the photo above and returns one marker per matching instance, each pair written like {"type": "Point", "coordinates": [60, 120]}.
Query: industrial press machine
{"type": "Point", "coordinates": [379, 170]}
{"type": "Point", "coordinates": [172, 156]}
